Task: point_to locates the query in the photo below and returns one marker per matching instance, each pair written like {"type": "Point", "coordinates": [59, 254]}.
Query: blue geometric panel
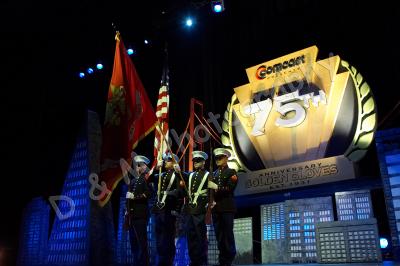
{"type": "Point", "coordinates": [181, 254]}
{"type": "Point", "coordinates": [213, 252]}
{"type": "Point", "coordinates": [69, 239]}
{"type": "Point", "coordinates": [151, 239]}
{"type": "Point", "coordinates": [34, 233]}
{"type": "Point", "coordinates": [388, 147]}
{"type": "Point", "coordinates": [273, 232]}
{"type": "Point", "coordinates": [392, 159]}
{"type": "Point", "coordinates": [394, 169]}
{"type": "Point", "coordinates": [123, 251]}
{"type": "Point", "coordinates": [354, 205]}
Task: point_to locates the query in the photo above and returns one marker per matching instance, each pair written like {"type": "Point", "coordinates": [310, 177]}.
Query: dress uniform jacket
{"type": "Point", "coordinates": [226, 181]}
{"type": "Point", "coordinates": [193, 188]}
{"type": "Point", "coordinates": [173, 200]}
{"type": "Point", "coordinates": [138, 206]}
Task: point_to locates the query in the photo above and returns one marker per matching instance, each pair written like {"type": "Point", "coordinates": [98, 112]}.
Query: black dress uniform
{"type": "Point", "coordinates": [195, 209]}
{"type": "Point", "coordinates": [224, 212]}
{"type": "Point", "coordinates": [169, 200]}
{"type": "Point", "coordinates": [138, 215]}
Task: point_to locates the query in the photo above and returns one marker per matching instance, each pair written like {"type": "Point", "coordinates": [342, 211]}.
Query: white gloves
{"type": "Point", "coordinates": [212, 185]}
{"type": "Point", "coordinates": [212, 204]}
{"type": "Point", "coordinates": [130, 195]}
{"type": "Point", "coordinates": [177, 168]}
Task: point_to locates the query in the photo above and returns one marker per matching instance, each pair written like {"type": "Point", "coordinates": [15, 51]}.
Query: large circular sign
{"type": "Point", "coordinates": [298, 109]}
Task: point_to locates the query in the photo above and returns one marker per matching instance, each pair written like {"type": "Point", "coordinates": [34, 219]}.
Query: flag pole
{"type": "Point", "coordinates": [208, 217]}
{"type": "Point", "coordinates": [175, 162]}
{"type": "Point", "coordinates": [158, 159]}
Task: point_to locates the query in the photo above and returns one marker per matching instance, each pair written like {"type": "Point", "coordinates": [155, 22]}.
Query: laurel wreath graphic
{"type": "Point", "coordinates": [226, 138]}
{"type": "Point", "coordinates": [367, 116]}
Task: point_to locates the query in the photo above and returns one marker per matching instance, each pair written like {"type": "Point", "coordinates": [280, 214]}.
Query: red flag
{"type": "Point", "coordinates": [129, 118]}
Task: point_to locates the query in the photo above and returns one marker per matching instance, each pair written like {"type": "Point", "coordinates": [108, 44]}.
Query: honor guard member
{"type": "Point", "coordinates": [224, 183]}
{"type": "Point", "coordinates": [137, 211]}
{"type": "Point", "coordinates": [169, 193]}
{"type": "Point", "coordinates": [195, 209]}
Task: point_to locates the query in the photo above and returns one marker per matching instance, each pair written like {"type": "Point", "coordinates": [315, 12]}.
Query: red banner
{"type": "Point", "coordinates": [129, 118]}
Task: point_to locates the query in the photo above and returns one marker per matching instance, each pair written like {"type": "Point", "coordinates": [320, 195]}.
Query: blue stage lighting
{"type": "Point", "coordinates": [189, 22]}
{"type": "Point", "coordinates": [383, 242]}
{"type": "Point", "coordinates": [81, 75]}
{"type": "Point", "coordinates": [130, 51]}
{"type": "Point", "coordinates": [99, 66]}
{"type": "Point", "coordinates": [217, 6]}
{"type": "Point", "coordinates": [90, 70]}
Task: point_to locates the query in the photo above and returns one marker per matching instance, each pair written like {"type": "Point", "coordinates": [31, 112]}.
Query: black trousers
{"type": "Point", "coordinates": [138, 239]}
{"type": "Point", "coordinates": [196, 233]}
{"type": "Point", "coordinates": [223, 226]}
{"type": "Point", "coordinates": [165, 237]}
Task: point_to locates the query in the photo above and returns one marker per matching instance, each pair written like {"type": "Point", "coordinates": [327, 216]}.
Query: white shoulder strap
{"type": "Point", "coordinates": [168, 188]}
{"type": "Point", "coordinates": [199, 189]}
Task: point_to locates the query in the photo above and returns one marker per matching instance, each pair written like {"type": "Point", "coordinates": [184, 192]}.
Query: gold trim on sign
{"type": "Point", "coordinates": [367, 116]}
{"type": "Point", "coordinates": [235, 161]}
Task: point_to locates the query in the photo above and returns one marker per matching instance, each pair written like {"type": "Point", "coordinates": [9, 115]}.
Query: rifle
{"type": "Point", "coordinates": [128, 214]}
{"type": "Point", "coordinates": [210, 191]}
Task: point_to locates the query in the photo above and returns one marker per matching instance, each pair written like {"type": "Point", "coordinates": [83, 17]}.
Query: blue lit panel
{"type": "Point", "coordinates": [213, 251]}
{"type": "Point", "coordinates": [69, 239]}
{"type": "Point", "coordinates": [123, 250]}
{"type": "Point", "coordinates": [393, 169]}
{"type": "Point", "coordinates": [34, 233]}
{"type": "Point", "coordinates": [273, 233]}
{"type": "Point", "coordinates": [302, 217]}
{"type": "Point", "coordinates": [392, 159]}
{"type": "Point", "coordinates": [181, 254]}
{"type": "Point", "coordinates": [388, 148]}
{"type": "Point", "coordinates": [273, 221]}
{"type": "Point", "coordinates": [151, 239]}
{"type": "Point", "coordinates": [354, 205]}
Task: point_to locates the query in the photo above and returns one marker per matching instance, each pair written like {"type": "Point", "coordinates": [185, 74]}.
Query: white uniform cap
{"type": "Point", "coordinates": [141, 159]}
{"type": "Point", "coordinates": [168, 155]}
{"type": "Point", "coordinates": [222, 151]}
{"type": "Point", "coordinates": [200, 154]}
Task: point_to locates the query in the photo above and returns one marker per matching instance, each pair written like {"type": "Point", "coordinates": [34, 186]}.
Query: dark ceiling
{"type": "Point", "coordinates": [45, 45]}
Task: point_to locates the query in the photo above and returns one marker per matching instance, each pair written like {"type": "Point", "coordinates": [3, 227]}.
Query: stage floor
{"type": "Point", "coordinates": [385, 263]}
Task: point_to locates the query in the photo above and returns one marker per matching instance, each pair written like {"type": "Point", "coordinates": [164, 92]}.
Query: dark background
{"type": "Point", "coordinates": [45, 45]}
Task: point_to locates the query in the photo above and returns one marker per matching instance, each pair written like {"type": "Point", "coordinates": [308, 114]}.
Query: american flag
{"type": "Point", "coordinates": [162, 115]}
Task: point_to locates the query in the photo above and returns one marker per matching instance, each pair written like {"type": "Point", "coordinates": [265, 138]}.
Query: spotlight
{"type": "Point", "coordinates": [217, 6]}
{"type": "Point", "coordinates": [189, 22]}
{"type": "Point", "coordinates": [99, 66]}
{"type": "Point", "coordinates": [81, 75]}
{"type": "Point", "coordinates": [383, 242]}
{"type": "Point", "coordinates": [130, 51]}
{"type": "Point", "coordinates": [90, 70]}
{"type": "Point", "coordinates": [146, 42]}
